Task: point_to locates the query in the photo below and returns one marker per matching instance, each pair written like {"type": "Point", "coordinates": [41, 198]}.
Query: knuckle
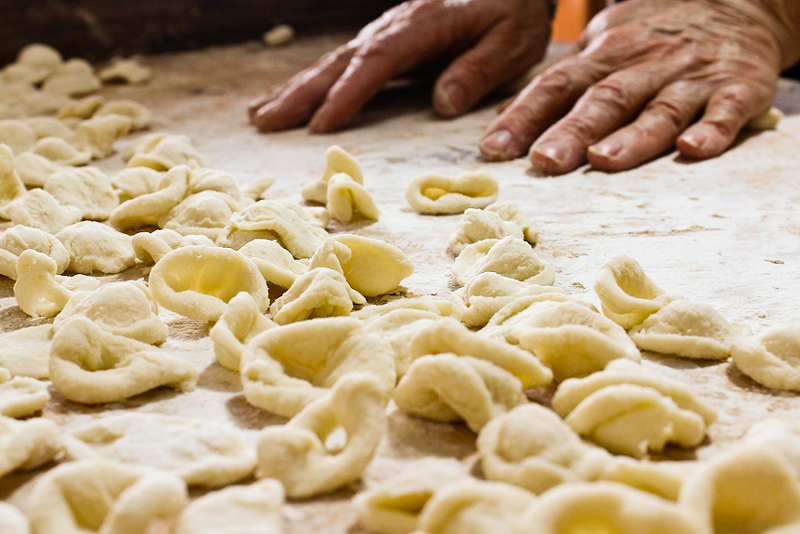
{"type": "Point", "coordinates": [556, 80]}
{"type": "Point", "coordinates": [613, 96]}
{"type": "Point", "coordinates": [672, 111]}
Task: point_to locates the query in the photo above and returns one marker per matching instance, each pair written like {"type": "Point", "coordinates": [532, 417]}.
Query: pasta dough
{"type": "Point", "coordinates": [433, 193]}
{"type": "Point", "coordinates": [241, 322]}
{"type": "Point", "coordinates": [97, 248]}
{"type": "Point", "coordinates": [337, 161]}
{"type": "Point", "coordinates": [348, 199]}
{"type": "Point", "coordinates": [321, 292]}
{"type": "Point", "coordinates": [772, 358]}
{"type": "Point", "coordinates": [11, 186]}
{"type": "Point", "coordinates": [26, 445]}
{"type": "Point", "coordinates": [26, 352]}
{"type": "Point", "coordinates": [19, 238]}
{"type": "Point", "coordinates": [510, 257]}
{"type": "Point", "coordinates": [12, 520]}
{"type": "Point", "coordinates": [39, 209]}
{"type": "Point", "coordinates": [22, 396]}
{"type": "Point", "coordinates": [37, 291]}
{"type": "Point", "coordinates": [87, 188]}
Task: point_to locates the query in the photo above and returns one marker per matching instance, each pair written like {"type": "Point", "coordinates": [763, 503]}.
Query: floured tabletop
{"type": "Point", "coordinates": [725, 232]}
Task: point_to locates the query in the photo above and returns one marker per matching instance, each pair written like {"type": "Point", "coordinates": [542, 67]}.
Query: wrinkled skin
{"type": "Point", "coordinates": [650, 75]}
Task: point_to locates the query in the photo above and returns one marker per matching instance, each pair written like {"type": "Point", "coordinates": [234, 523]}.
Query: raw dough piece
{"type": "Point", "coordinates": [374, 267]}
{"type": "Point", "coordinates": [321, 292]}
{"type": "Point", "coordinates": [162, 152]}
{"type": "Point", "coordinates": [11, 186]}
{"type": "Point", "coordinates": [140, 116]}
{"type": "Point", "coordinates": [125, 71]}
{"type": "Point", "coordinates": [37, 291]}
{"type": "Point", "coordinates": [394, 505]}
{"type": "Point", "coordinates": [276, 264]}
{"type": "Point", "coordinates": [429, 303]}
{"type": "Point", "coordinates": [573, 391]}
{"type": "Point", "coordinates": [87, 188]}
{"type": "Point", "coordinates": [569, 337]}
{"type": "Point", "coordinates": [80, 109]}
{"type": "Point", "coordinates": [286, 222]}
{"type": "Point", "coordinates": [92, 366]}
{"type": "Point", "coordinates": [28, 444]}
{"type": "Point", "coordinates": [447, 387]}
{"type": "Point", "coordinates": [50, 127]}
{"type": "Point", "coordinates": [303, 455]}
{"type": "Point", "coordinates": [22, 396]}
{"type": "Point", "coordinates": [510, 257]}
{"type": "Point", "coordinates": [286, 368]}
{"type": "Point", "coordinates": [241, 322]}
{"type": "Point", "coordinates": [98, 134]}
{"type": "Point", "coordinates": [662, 478]}
{"type": "Point", "coordinates": [256, 189]}
{"type": "Point", "coordinates": [74, 77]}
{"type": "Point", "coordinates": [771, 358]}
{"type": "Point", "coordinates": [280, 35]}
{"type": "Point", "coordinates": [61, 151]}
{"type": "Point", "coordinates": [533, 448]}
{"type": "Point", "coordinates": [434, 193]}
{"type": "Point", "coordinates": [337, 160]}
{"type": "Point", "coordinates": [781, 436]}
{"type": "Point", "coordinates": [97, 248]}
{"type": "Point", "coordinates": [450, 336]}
{"type": "Point", "coordinates": [397, 327]}
{"type": "Point", "coordinates": [745, 490]}
{"type": "Point", "coordinates": [688, 329]}
{"type": "Point", "coordinates": [17, 135]}
{"type": "Point", "coordinates": [204, 179]}
{"type": "Point", "coordinates": [510, 212]}
{"type": "Point", "coordinates": [150, 247]}
{"type": "Point", "coordinates": [198, 281]}
{"type": "Point", "coordinates": [605, 507]}
{"type": "Point", "coordinates": [145, 209]}
{"type": "Point", "coordinates": [204, 213]}
{"type": "Point", "coordinates": [12, 520]}
{"type": "Point", "coordinates": [768, 120]}
{"type": "Point", "coordinates": [34, 169]}
{"type": "Point", "coordinates": [39, 209]}
{"type": "Point", "coordinates": [633, 420]}
{"type": "Point", "coordinates": [19, 238]}
{"type": "Point", "coordinates": [474, 506]}
{"type": "Point", "coordinates": [627, 295]}
{"type": "Point", "coordinates": [477, 225]}
{"type": "Point", "coordinates": [26, 352]}
{"type": "Point", "coordinates": [346, 198]}
{"type": "Point", "coordinates": [103, 497]}
{"type": "Point", "coordinates": [203, 453]}
{"type": "Point", "coordinates": [122, 308]}
{"type": "Point", "coordinates": [136, 181]}
{"type": "Point", "coordinates": [251, 509]}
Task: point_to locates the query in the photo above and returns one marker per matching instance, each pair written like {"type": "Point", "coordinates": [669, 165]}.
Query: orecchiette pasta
{"type": "Point", "coordinates": [510, 257]}
{"type": "Point", "coordinates": [145, 209]}
{"type": "Point", "coordinates": [61, 151]}
{"type": "Point", "coordinates": [34, 169]}
{"type": "Point", "coordinates": [321, 292]}
{"type": "Point", "coordinates": [162, 152]}
{"type": "Point", "coordinates": [81, 108]}
{"type": "Point", "coordinates": [302, 453]}
{"type": "Point", "coordinates": [434, 193]}
{"type": "Point", "coordinates": [26, 352]}
{"type": "Point", "coordinates": [337, 160]}
{"type": "Point", "coordinates": [37, 292]}
{"type": "Point", "coordinates": [97, 248]}
{"type": "Point", "coordinates": [87, 188]}
{"type": "Point", "coordinates": [39, 209]}
{"type": "Point", "coordinates": [17, 135]}
{"type": "Point", "coordinates": [126, 71]}
{"type": "Point", "coordinates": [74, 77]}
{"type": "Point", "coordinates": [27, 445]}
{"type": "Point", "coordinates": [477, 225]}
{"type": "Point", "coordinates": [98, 134]}
{"type": "Point", "coordinates": [771, 358]}
{"type": "Point", "coordinates": [11, 186]}
{"type": "Point", "coordinates": [346, 198]}
{"type": "Point", "coordinates": [204, 213]}
{"type": "Point", "coordinates": [241, 322]}
{"type": "Point", "coordinates": [373, 267]}
{"type": "Point", "coordinates": [150, 247]}
{"type": "Point", "coordinates": [22, 396]}
{"type": "Point", "coordinates": [12, 520]}
{"type": "Point", "coordinates": [140, 116]}
{"type": "Point", "coordinates": [19, 238]}
{"type": "Point", "coordinates": [276, 264]}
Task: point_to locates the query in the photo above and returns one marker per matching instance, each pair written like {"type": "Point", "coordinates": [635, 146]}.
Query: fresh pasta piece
{"type": "Point", "coordinates": [97, 248]}
{"type": "Point", "coordinates": [39, 209]}
{"type": "Point", "coordinates": [17, 135]}
{"type": "Point", "coordinates": [393, 506]}
{"type": "Point", "coordinates": [98, 134]}
{"type": "Point", "coordinates": [34, 169]}
{"type": "Point", "coordinates": [302, 453]}
{"type": "Point", "coordinates": [104, 497]}
{"type": "Point", "coordinates": [348, 198]}
{"type": "Point", "coordinates": [22, 396]}
{"type": "Point", "coordinates": [477, 225]}
{"type": "Point", "coordinates": [627, 295]}
{"type": "Point", "coordinates": [373, 267]}
{"type": "Point", "coordinates": [26, 352]}
{"type": "Point", "coordinates": [162, 152]}
{"type": "Point", "coordinates": [140, 116]}
{"type": "Point", "coordinates": [150, 247]}
{"type": "Point", "coordinates": [74, 77]}
{"type": "Point", "coordinates": [201, 452]}
{"type": "Point", "coordinates": [92, 366]}
{"type": "Point", "coordinates": [662, 478]}
{"type": "Point", "coordinates": [429, 303]}
{"type": "Point", "coordinates": [433, 193]}
{"type": "Point", "coordinates": [687, 329]}
{"type": "Point", "coordinates": [61, 151]}
{"type": "Point", "coordinates": [605, 507]}
{"type": "Point", "coordinates": [474, 506]}
{"type": "Point", "coordinates": [145, 209]}
{"type": "Point", "coordinates": [449, 388]}
{"type": "Point", "coordinates": [12, 520]}
{"type": "Point", "coordinates": [286, 222]}
{"type": "Point", "coordinates": [87, 188]}
{"type": "Point", "coordinates": [771, 358]}
{"type": "Point", "coordinates": [50, 127]}
{"type": "Point", "coordinates": [398, 326]}
{"type": "Point", "coordinates": [284, 369]}
{"type": "Point", "coordinates": [450, 336]}
{"type": "Point", "coordinates": [337, 161]}
{"type": "Point", "coordinates": [37, 291]}
{"type": "Point", "coordinates": [276, 264]}
{"type": "Point", "coordinates": [241, 322]}
{"type": "Point", "coordinates": [509, 211]}
{"type": "Point", "coordinates": [747, 489]}
{"type": "Point", "coordinates": [136, 181]}
{"type": "Point", "coordinates": [26, 445]}
{"type": "Point", "coordinates": [767, 120]}
{"type": "Point", "coordinates": [205, 179]}
{"type": "Point", "coordinates": [573, 391]}
{"type": "Point", "coordinates": [533, 448]}
{"type": "Point", "coordinates": [321, 292]}
{"type": "Point", "coordinates": [569, 337]}
{"type": "Point", "coordinates": [11, 186]}
{"type": "Point", "coordinates": [280, 35]}
{"type": "Point", "coordinates": [781, 436]}
{"type": "Point", "coordinates": [80, 109]}
{"type": "Point", "coordinates": [257, 188]}
{"type": "Point", "coordinates": [204, 213]}
{"type": "Point", "coordinates": [19, 238]}
{"type": "Point", "coordinates": [510, 257]}
{"type": "Point", "coordinates": [634, 420]}
{"type": "Point", "coordinates": [251, 509]}
{"type": "Point", "coordinates": [198, 281]}
{"type": "Point", "coordinates": [122, 308]}
{"type": "Point", "coordinates": [125, 71]}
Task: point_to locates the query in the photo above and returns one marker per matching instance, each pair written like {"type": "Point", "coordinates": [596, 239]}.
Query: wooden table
{"type": "Point", "coordinates": [724, 232]}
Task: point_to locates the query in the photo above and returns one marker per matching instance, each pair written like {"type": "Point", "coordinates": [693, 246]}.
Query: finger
{"type": "Point", "coordinates": [653, 132]}
{"type": "Point", "coordinates": [729, 108]}
{"type": "Point", "coordinates": [294, 102]}
{"type": "Point", "coordinates": [497, 58]}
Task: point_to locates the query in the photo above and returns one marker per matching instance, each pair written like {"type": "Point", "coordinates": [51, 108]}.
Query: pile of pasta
{"type": "Point", "coordinates": [318, 330]}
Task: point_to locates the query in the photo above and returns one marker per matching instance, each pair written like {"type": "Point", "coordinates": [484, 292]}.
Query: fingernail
{"type": "Point", "coordinates": [606, 150]}
{"type": "Point", "coordinates": [497, 143]}
{"type": "Point", "coordinates": [693, 140]}
{"type": "Point", "coordinates": [555, 152]}
{"type": "Point", "coordinates": [452, 99]}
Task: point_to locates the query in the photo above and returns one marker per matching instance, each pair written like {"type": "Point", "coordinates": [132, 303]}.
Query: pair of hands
{"type": "Point", "coordinates": [649, 75]}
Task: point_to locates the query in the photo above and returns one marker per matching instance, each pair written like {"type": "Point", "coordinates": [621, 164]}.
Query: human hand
{"type": "Point", "coordinates": [652, 74]}
{"type": "Point", "coordinates": [490, 42]}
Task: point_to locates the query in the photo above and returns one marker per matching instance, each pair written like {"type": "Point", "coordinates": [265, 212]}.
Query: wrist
{"type": "Point", "coordinates": [782, 19]}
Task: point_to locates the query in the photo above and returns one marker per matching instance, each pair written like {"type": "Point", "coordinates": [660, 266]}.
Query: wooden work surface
{"type": "Point", "coordinates": [724, 232]}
